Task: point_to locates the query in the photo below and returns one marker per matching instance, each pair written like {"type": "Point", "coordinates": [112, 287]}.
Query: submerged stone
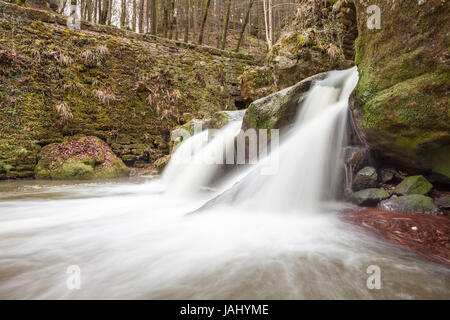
{"type": "Point", "coordinates": [414, 185]}
{"type": "Point", "coordinates": [369, 197]}
{"type": "Point", "coordinates": [411, 203]}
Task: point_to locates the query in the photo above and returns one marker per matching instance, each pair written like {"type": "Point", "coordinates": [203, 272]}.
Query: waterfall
{"type": "Point", "coordinates": [197, 159]}
{"type": "Point", "coordinates": [310, 160]}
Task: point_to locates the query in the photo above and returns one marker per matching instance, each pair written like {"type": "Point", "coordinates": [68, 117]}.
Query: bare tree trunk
{"type": "Point", "coordinates": [226, 19]}
{"type": "Point", "coordinates": [268, 21]}
{"type": "Point", "coordinates": [203, 21]}
{"type": "Point", "coordinates": [186, 21]}
{"type": "Point", "coordinates": [171, 18]}
{"type": "Point", "coordinates": [154, 16]}
{"type": "Point", "coordinates": [165, 18]}
{"type": "Point", "coordinates": [141, 16]}
{"type": "Point", "coordinates": [123, 12]}
{"type": "Point", "coordinates": [133, 19]}
{"type": "Point", "coordinates": [110, 4]}
{"type": "Point", "coordinates": [250, 4]}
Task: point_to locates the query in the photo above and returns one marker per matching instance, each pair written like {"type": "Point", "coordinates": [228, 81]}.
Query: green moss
{"type": "Point", "coordinates": [73, 170]}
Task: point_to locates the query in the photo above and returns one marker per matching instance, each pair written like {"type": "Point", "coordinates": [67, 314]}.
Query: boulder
{"type": "Point", "coordinates": [414, 185]}
{"type": "Point", "coordinates": [411, 203]}
{"type": "Point", "coordinates": [365, 178]}
{"type": "Point", "coordinates": [279, 109]}
{"type": "Point", "coordinates": [386, 175]}
{"type": "Point", "coordinates": [83, 158]}
{"type": "Point", "coordinates": [369, 197]}
{"type": "Point", "coordinates": [401, 100]}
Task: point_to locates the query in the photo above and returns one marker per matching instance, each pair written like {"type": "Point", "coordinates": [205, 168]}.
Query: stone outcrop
{"type": "Point", "coordinates": [401, 103]}
{"type": "Point", "coordinates": [126, 88]}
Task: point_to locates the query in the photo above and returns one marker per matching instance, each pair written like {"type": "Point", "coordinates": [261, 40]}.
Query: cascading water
{"type": "Point", "coordinates": [132, 239]}
{"type": "Point", "coordinates": [197, 159]}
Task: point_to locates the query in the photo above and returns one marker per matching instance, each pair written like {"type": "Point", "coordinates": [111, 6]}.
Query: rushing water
{"type": "Point", "coordinates": [267, 237]}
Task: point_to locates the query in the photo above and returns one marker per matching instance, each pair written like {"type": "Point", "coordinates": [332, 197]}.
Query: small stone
{"type": "Point", "coordinates": [414, 228]}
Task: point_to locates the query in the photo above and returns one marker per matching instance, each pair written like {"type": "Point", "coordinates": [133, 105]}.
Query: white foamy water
{"type": "Point", "coordinates": [132, 239]}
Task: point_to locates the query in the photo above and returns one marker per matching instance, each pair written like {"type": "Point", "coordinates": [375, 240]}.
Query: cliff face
{"type": "Point", "coordinates": [125, 88]}
{"type": "Point", "coordinates": [401, 104]}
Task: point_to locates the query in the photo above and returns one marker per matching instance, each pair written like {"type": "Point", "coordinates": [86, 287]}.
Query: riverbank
{"type": "Point", "coordinates": [424, 234]}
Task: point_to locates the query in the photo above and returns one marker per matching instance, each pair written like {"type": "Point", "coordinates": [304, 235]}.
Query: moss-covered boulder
{"type": "Point", "coordinates": [279, 109]}
{"type": "Point", "coordinates": [411, 203]}
{"type": "Point", "coordinates": [313, 43]}
{"type": "Point", "coordinates": [369, 197]}
{"type": "Point", "coordinates": [414, 185]}
{"type": "Point", "coordinates": [83, 158]}
{"type": "Point", "coordinates": [401, 104]}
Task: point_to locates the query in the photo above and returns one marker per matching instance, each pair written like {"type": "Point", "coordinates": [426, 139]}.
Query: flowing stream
{"type": "Point", "coordinates": [259, 236]}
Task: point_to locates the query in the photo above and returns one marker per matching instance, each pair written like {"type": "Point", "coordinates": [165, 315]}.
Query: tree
{"type": "Point", "coordinates": [133, 19]}
{"type": "Point", "coordinates": [186, 20]}
{"type": "Point", "coordinates": [268, 22]}
{"type": "Point", "coordinates": [226, 19]}
{"type": "Point", "coordinates": [154, 16]}
{"type": "Point", "coordinates": [123, 12]}
{"type": "Point", "coordinates": [203, 21]}
{"type": "Point", "coordinates": [141, 16]}
{"type": "Point", "coordinates": [250, 4]}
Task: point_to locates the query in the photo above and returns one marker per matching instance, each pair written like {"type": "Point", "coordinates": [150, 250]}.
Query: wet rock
{"type": "Point", "coordinates": [414, 185]}
{"type": "Point", "coordinates": [161, 163]}
{"type": "Point", "coordinates": [386, 175]}
{"type": "Point", "coordinates": [369, 197]}
{"type": "Point", "coordinates": [411, 203]}
{"type": "Point", "coordinates": [365, 178]}
{"type": "Point", "coordinates": [83, 158]}
{"type": "Point", "coordinates": [443, 202]}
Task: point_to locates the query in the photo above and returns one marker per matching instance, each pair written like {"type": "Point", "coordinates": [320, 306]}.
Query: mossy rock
{"type": "Point", "coordinates": [401, 101]}
{"type": "Point", "coordinates": [256, 82]}
{"type": "Point", "coordinates": [414, 185]}
{"type": "Point", "coordinates": [79, 159]}
{"type": "Point", "coordinates": [411, 203]}
{"type": "Point", "coordinates": [365, 178]}
{"type": "Point", "coordinates": [279, 109]}
{"type": "Point", "coordinates": [161, 163]}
